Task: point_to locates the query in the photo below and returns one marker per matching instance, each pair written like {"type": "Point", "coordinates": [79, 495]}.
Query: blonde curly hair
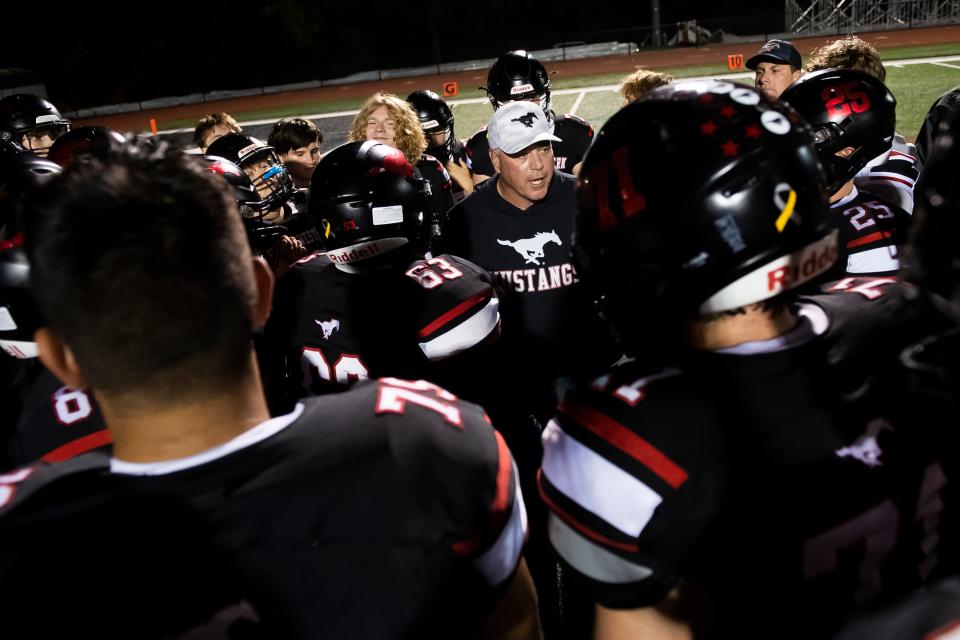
{"type": "Point", "coordinates": [641, 82]}
{"type": "Point", "coordinates": [408, 135]}
{"type": "Point", "coordinates": [850, 52]}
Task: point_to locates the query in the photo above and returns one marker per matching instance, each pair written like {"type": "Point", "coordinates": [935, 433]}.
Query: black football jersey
{"type": "Point", "coordinates": [390, 510]}
{"type": "Point", "coordinates": [332, 328]}
{"type": "Point", "coordinates": [43, 420]}
{"type": "Point", "coordinates": [931, 614]}
{"type": "Point", "coordinates": [575, 134]}
{"type": "Point", "coordinates": [457, 153]}
{"type": "Point", "coordinates": [300, 224]}
{"type": "Point", "coordinates": [441, 187]}
{"type": "Point", "coordinates": [940, 110]}
{"type": "Point", "coordinates": [790, 477]}
{"type": "Point", "coordinates": [872, 236]}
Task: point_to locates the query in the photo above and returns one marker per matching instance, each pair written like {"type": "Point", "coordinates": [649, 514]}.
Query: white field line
{"type": "Point", "coordinates": [576, 103]}
{"type": "Point", "coordinates": [938, 60]}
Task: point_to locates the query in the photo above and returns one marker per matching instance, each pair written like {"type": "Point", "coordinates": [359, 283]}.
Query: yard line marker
{"type": "Point", "coordinates": [944, 64]}
{"type": "Point", "coordinates": [576, 103]}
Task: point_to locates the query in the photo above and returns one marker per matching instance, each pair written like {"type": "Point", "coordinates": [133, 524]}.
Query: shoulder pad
{"type": "Point", "coordinates": [575, 118]}
{"type": "Point", "coordinates": [479, 136]}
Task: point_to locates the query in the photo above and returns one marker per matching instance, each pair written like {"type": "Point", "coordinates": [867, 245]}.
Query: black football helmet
{"type": "Point", "coordinates": [19, 316]}
{"type": "Point", "coordinates": [366, 200]}
{"type": "Point", "coordinates": [274, 184]}
{"type": "Point", "coordinates": [933, 260]}
{"type": "Point", "coordinates": [84, 143]}
{"type": "Point", "coordinates": [25, 113]}
{"type": "Point", "coordinates": [846, 108]}
{"type": "Point", "coordinates": [10, 148]}
{"type": "Point", "coordinates": [744, 220]}
{"type": "Point", "coordinates": [435, 117]}
{"type": "Point", "coordinates": [261, 234]}
{"type": "Point", "coordinates": [517, 75]}
{"type": "Point", "coordinates": [19, 172]}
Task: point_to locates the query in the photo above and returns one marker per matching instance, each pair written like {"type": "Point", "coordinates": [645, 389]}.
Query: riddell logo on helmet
{"type": "Point", "coordinates": [250, 148]}
{"type": "Point", "coordinates": [813, 261]}
{"type": "Point", "coordinates": [780, 274]}
{"type": "Point", "coordinates": [521, 88]}
{"type": "Point", "coordinates": [352, 254]}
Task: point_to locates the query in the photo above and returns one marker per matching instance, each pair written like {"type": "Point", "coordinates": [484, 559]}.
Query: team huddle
{"type": "Point", "coordinates": [695, 375]}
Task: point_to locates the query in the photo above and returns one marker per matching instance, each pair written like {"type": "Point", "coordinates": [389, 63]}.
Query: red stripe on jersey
{"type": "Point", "coordinates": [582, 528]}
{"type": "Point", "coordinates": [900, 153]}
{"type": "Point", "coordinates": [504, 471]}
{"type": "Point", "coordinates": [893, 179]}
{"type": "Point", "coordinates": [879, 235]}
{"type": "Point", "coordinates": [306, 259]}
{"type": "Point", "coordinates": [498, 509]}
{"type": "Point", "coordinates": [15, 241]}
{"type": "Point", "coordinates": [627, 441]}
{"type": "Point", "coordinates": [78, 446]}
{"type": "Point", "coordinates": [458, 310]}
{"type": "Point", "coordinates": [468, 547]}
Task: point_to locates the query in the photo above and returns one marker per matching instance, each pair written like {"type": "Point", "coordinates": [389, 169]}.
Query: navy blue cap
{"type": "Point", "coordinates": [778, 52]}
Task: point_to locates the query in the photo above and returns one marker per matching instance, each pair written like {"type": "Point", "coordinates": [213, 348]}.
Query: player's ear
{"type": "Point", "coordinates": [495, 160]}
{"type": "Point", "coordinates": [57, 356]}
{"type": "Point", "coordinates": [263, 278]}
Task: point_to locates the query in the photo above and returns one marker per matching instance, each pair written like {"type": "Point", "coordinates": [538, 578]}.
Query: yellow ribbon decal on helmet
{"type": "Point", "coordinates": [326, 229]}
{"type": "Point", "coordinates": [787, 211]}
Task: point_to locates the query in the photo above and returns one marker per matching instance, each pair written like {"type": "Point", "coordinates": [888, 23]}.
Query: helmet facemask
{"type": "Point", "coordinates": [272, 182]}
{"type": "Point", "coordinates": [38, 140]}
{"type": "Point", "coordinates": [829, 140]}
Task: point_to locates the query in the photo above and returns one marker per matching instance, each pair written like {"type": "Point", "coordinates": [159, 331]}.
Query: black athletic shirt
{"type": "Point", "coordinates": [795, 478]}
{"type": "Point", "coordinates": [387, 511]}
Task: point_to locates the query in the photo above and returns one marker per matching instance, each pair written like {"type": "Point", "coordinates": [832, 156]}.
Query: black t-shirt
{"type": "Point", "coordinates": [386, 511]}
{"type": "Point", "coordinates": [529, 254]}
{"type": "Point", "coordinates": [549, 326]}
{"type": "Point", "coordinates": [575, 134]}
{"type": "Point", "coordinates": [796, 478]}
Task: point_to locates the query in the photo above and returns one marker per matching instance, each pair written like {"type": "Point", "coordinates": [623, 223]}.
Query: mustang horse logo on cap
{"type": "Point", "coordinates": [526, 120]}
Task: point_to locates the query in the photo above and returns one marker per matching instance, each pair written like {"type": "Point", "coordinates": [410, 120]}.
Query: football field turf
{"type": "Point", "coordinates": [915, 81]}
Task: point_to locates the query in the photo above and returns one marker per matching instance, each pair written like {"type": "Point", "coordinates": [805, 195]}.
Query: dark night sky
{"type": "Point", "coordinates": [88, 56]}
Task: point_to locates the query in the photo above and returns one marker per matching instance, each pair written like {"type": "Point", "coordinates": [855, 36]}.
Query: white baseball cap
{"type": "Point", "coordinates": [517, 125]}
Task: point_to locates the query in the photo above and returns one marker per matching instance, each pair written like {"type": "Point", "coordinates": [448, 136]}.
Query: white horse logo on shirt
{"type": "Point", "coordinates": [328, 327]}
{"type": "Point", "coordinates": [531, 249]}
